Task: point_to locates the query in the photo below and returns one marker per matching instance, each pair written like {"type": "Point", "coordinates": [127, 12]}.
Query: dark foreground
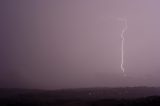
{"type": "Point", "coordinates": [137, 96]}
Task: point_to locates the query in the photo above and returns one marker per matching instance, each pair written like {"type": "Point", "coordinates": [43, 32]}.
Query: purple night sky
{"type": "Point", "coordinates": [54, 44]}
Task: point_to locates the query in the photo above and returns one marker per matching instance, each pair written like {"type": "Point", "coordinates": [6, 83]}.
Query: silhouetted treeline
{"type": "Point", "coordinates": [38, 101]}
{"type": "Point", "coordinates": [78, 97]}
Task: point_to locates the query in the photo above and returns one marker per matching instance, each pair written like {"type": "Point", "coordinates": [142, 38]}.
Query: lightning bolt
{"type": "Point", "coordinates": [122, 43]}
{"type": "Point", "coordinates": [124, 21]}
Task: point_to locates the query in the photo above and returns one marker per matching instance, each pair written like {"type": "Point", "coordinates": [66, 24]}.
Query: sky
{"type": "Point", "coordinates": [58, 44]}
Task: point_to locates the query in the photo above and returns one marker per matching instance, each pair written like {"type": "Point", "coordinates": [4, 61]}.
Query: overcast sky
{"type": "Point", "coordinates": [52, 44]}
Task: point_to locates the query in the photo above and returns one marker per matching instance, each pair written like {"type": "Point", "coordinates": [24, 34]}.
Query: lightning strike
{"type": "Point", "coordinates": [124, 21]}
{"type": "Point", "coordinates": [122, 44]}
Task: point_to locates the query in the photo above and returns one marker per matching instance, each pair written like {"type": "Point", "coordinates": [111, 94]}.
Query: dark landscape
{"type": "Point", "coordinates": [129, 96]}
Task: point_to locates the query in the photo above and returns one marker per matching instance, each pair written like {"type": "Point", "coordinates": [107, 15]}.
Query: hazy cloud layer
{"type": "Point", "coordinates": [76, 43]}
